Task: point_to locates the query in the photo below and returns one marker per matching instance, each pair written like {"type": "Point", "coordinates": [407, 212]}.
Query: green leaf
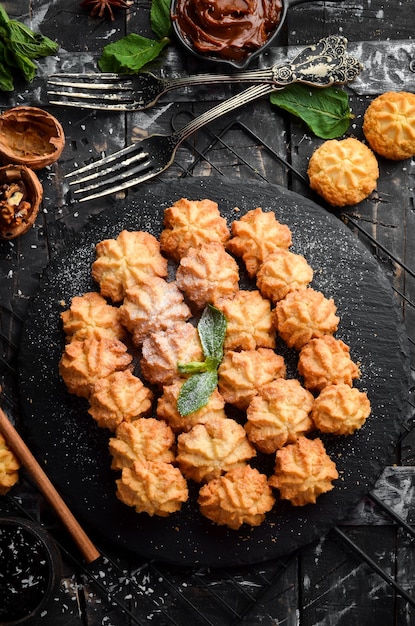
{"type": "Point", "coordinates": [160, 18]}
{"type": "Point", "coordinates": [20, 46]}
{"type": "Point", "coordinates": [212, 329]}
{"type": "Point", "coordinates": [196, 392]}
{"type": "Point", "coordinates": [28, 43]}
{"type": "Point", "coordinates": [130, 54]}
{"type": "Point", "coordinates": [203, 380]}
{"type": "Point", "coordinates": [326, 110]}
{"type": "Point", "coordinates": [6, 77]}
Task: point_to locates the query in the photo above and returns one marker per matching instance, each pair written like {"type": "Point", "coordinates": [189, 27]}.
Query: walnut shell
{"type": "Point", "coordinates": [20, 196]}
{"type": "Point", "coordinates": [30, 136]}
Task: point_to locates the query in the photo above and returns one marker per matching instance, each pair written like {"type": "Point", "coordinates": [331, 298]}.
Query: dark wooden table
{"type": "Point", "coordinates": [328, 583]}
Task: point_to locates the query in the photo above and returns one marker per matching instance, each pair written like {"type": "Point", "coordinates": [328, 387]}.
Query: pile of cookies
{"type": "Point", "coordinates": [124, 343]}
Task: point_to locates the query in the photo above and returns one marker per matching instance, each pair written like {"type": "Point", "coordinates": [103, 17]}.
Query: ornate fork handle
{"type": "Point", "coordinates": [320, 64]}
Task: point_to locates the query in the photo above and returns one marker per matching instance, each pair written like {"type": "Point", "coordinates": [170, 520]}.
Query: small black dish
{"type": "Point", "coordinates": [242, 63]}
{"type": "Point", "coordinates": [30, 570]}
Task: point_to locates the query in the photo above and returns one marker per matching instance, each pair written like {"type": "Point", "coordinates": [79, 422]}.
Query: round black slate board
{"type": "Point", "coordinates": [74, 450]}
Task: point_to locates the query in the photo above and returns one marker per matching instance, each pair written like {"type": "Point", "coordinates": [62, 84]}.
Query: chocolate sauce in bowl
{"type": "Point", "coordinates": [230, 29]}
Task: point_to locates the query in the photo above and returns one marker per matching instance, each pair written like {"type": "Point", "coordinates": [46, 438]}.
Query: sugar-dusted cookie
{"type": "Point", "coordinates": [340, 409]}
{"type": "Point", "coordinates": [282, 272]}
{"type": "Point", "coordinates": [153, 305]}
{"type": "Point", "coordinates": [207, 273]}
{"type": "Point", "coordinates": [279, 414]}
{"type": "Point", "coordinates": [163, 350]}
{"type": "Point", "coordinates": [123, 262]}
{"type": "Point", "coordinates": [303, 471]}
{"type": "Point", "coordinates": [241, 496]}
{"type": "Point", "coordinates": [152, 487]}
{"type": "Point", "coordinates": [242, 374]}
{"type": "Point", "coordinates": [119, 397]}
{"type": "Point", "coordinates": [256, 235]}
{"type": "Point", "coordinates": [303, 315]}
{"type": "Point", "coordinates": [190, 223]}
{"type": "Point", "coordinates": [326, 361]}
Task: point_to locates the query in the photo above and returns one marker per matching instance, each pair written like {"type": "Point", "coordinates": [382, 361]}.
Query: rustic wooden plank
{"type": "Point", "coordinates": [339, 589]}
{"type": "Point", "coordinates": [358, 20]}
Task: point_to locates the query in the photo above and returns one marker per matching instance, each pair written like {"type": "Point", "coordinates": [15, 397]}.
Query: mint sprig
{"type": "Point", "coordinates": [203, 379]}
{"type": "Point", "coordinates": [19, 46]}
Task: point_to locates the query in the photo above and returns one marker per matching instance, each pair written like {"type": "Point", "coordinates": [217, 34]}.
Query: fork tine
{"type": "Point", "coordinates": [140, 158]}
{"type": "Point", "coordinates": [97, 106]}
{"type": "Point", "coordinates": [104, 161]}
{"type": "Point", "coordinates": [103, 77]}
{"type": "Point", "coordinates": [94, 91]}
{"type": "Point", "coordinates": [100, 86]}
{"type": "Point", "coordinates": [121, 186]}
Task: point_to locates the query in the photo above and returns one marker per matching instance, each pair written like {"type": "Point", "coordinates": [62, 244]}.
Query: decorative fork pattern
{"type": "Point", "coordinates": [116, 92]}
{"type": "Point", "coordinates": [320, 65]}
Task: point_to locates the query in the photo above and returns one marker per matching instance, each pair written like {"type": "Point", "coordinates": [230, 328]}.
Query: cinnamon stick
{"type": "Point", "coordinates": [16, 443]}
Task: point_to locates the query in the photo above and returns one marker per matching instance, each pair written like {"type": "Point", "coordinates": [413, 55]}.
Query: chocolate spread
{"type": "Point", "coordinates": [227, 28]}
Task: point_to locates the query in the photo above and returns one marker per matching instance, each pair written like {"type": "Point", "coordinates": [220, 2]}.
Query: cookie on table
{"type": "Point", "coordinates": [189, 224]}
{"type": "Point", "coordinates": [125, 261]}
{"type": "Point", "coordinates": [279, 414]}
{"type": "Point", "coordinates": [153, 305]}
{"type": "Point", "coordinates": [207, 273]}
{"type": "Point", "coordinates": [119, 397]}
{"type": "Point", "coordinates": [343, 172]}
{"type": "Point", "coordinates": [340, 409]}
{"type": "Point", "coordinates": [145, 439]}
{"type": "Point", "coordinates": [326, 361]}
{"type": "Point", "coordinates": [212, 448]}
{"type": "Point", "coordinates": [303, 471]}
{"type": "Point", "coordinates": [389, 125]}
{"type": "Point", "coordinates": [256, 235]}
{"type": "Point", "coordinates": [152, 487]}
{"type": "Point", "coordinates": [303, 315]}
{"type": "Point", "coordinates": [9, 467]}
{"type": "Point", "coordinates": [242, 374]}
{"type": "Point", "coordinates": [241, 496]}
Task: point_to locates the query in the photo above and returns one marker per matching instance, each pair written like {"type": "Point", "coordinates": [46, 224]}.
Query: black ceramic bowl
{"type": "Point", "coordinates": [30, 570]}
{"type": "Point", "coordinates": [243, 62]}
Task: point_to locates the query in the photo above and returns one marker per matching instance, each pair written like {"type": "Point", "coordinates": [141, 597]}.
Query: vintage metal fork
{"type": "Point", "coordinates": [322, 64]}
{"type": "Point", "coordinates": [117, 92]}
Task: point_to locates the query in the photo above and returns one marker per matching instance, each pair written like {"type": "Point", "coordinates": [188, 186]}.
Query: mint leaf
{"type": "Point", "coordinates": [212, 329]}
{"type": "Point", "coordinates": [325, 111]}
{"type": "Point", "coordinates": [19, 46]}
{"type": "Point", "coordinates": [129, 54]}
{"type": "Point", "coordinates": [160, 18]}
{"type": "Point", "coordinates": [196, 392]}
{"type": "Point", "coordinates": [6, 77]}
